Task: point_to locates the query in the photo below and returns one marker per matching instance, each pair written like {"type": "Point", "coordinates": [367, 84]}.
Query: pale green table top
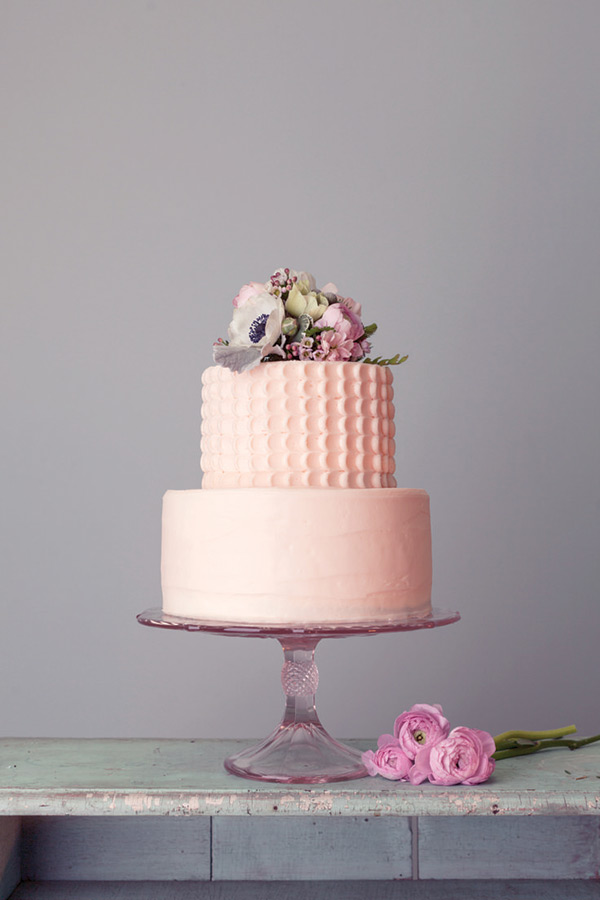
{"type": "Point", "coordinates": [45, 776]}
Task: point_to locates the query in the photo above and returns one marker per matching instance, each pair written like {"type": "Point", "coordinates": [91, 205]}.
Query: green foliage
{"type": "Point", "coordinates": [316, 330]}
{"type": "Point", "coordinates": [394, 361]}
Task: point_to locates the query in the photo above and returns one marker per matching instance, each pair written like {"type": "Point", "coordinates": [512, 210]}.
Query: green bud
{"type": "Point", "coordinates": [289, 327]}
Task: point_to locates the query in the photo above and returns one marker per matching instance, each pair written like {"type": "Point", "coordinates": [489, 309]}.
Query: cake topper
{"type": "Point", "coordinates": [289, 318]}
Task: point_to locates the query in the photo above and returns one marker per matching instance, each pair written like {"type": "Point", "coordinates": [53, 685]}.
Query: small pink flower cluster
{"type": "Point", "coordinates": [423, 747]}
{"type": "Point", "coordinates": [340, 335]}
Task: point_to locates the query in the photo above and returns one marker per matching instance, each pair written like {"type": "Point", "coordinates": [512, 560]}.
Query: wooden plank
{"type": "Point", "coordinates": [315, 890]}
{"type": "Point", "coordinates": [10, 855]}
{"type": "Point", "coordinates": [116, 849]}
{"type": "Point", "coordinates": [291, 849]}
{"type": "Point", "coordinates": [550, 848]}
{"type": "Point", "coordinates": [118, 777]}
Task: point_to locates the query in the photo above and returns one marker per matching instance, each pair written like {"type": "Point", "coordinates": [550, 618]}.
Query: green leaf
{"type": "Point", "coordinates": [370, 329]}
{"type": "Point", "coordinates": [316, 330]}
{"type": "Point", "coordinates": [393, 361]}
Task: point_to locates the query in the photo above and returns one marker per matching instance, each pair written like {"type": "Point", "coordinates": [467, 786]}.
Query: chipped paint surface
{"type": "Point", "coordinates": [309, 801]}
{"type": "Point", "coordinates": [186, 778]}
{"type": "Point", "coordinates": [141, 802]}
{"type": "Point", "coordinates": [217, 801]}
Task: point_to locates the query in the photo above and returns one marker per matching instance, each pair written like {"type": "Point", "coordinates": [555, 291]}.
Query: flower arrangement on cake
{"type": "Point", "coordinates": [289, 318]}
{"type": "Point", "coordinates": [424, 748]}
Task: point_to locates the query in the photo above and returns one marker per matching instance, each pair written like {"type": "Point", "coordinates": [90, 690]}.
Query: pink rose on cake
{"type": "Point", "coordinates": [463, 757]}
{"type": "Point", "coordinates": [248, 292]}
{"type": "Point", "coordinates": [388, 760]}
{"type": "Point", "coordinates": [420, 726]}
{"type": "Point", "coordinates": [343, 320]}
{"type": "Point", "coordinates": [351, 304]}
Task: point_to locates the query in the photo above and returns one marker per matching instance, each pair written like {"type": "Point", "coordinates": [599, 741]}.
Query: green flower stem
{"type": "Point", "coordinates": [583, 741]}
{"type": "Point", "coordinates": [523, 750]}
{"type": "Point", "coordinates": [507, 738]}
{"type": "Point", "coordinates": [513, 748]}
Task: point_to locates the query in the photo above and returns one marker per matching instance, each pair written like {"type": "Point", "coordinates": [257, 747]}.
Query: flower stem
{"type": "Point", "coordinates": [509, 737]}
{"type": "Point", "coordinates": [514, 748]}
{"type": "Point", "coordinates": [516, 751]}
{"type": "Point", "coordinates": [573, 745]}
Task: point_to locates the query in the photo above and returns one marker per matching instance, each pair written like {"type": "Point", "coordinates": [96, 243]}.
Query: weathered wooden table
{"type": "Point", "coordinates": [91, 819]}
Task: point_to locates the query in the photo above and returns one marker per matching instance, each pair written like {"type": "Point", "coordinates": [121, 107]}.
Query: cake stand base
{"type": "Point", "coordinates": [298, 754]}
{"type": "Point", "coordinates": [299, 751]}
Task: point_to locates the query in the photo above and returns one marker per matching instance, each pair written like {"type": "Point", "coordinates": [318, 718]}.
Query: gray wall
{"type": "Point", "coordinates": [439, 162]}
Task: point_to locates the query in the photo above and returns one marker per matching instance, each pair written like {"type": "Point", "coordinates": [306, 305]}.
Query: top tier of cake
{"type": "Point", "coordinates": [298, 424]}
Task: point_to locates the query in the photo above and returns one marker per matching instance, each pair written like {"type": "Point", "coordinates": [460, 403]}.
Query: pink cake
{"type": "Point", "coordinates": [298, 424]}
{"type": "Point", "coordinates": [299, 520]}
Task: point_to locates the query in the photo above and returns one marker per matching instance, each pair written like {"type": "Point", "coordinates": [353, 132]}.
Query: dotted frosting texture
{"type": "Point", "coordinates": [298, 424]}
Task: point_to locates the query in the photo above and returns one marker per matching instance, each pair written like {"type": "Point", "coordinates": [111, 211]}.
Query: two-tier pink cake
{"type": "Point", "coordinates": [299, 520]}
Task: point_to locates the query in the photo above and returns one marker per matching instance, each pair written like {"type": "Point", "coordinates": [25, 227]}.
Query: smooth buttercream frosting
{"type": "Point", "coordinates": [294, 556]}
{"type": "Point", "coordinates": [298, 424]}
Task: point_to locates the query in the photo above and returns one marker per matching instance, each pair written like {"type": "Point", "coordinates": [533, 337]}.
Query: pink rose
{"type": "Point", "coordinates": [463, 757]}
{"type": "Point", "coordinates": [247, 292]}
{"type": "Point", "coordinates": [343, 320]}
{"type": "Point", "coordinates": [352, 305]}
{"type": "Point", "coordinates": [388, 760]}
{"type": "Point", "coordinates": [421, 726]}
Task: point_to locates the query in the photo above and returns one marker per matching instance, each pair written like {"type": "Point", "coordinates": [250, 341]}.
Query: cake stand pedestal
{"type": "Point", "coordinates": [299, 750]}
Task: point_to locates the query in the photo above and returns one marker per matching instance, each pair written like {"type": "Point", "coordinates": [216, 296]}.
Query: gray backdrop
{"type": "Point", "coordinates": [439, 162]}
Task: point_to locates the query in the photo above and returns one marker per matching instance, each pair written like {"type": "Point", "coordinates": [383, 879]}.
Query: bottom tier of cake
{"type": "Point", "coordinates": [297, 556]}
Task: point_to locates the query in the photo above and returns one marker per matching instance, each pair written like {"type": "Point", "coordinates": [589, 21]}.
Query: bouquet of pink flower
{"type": "Point", "coordinates": [423, 747]}
{"type": "Point", "coordinates": [288, 317]}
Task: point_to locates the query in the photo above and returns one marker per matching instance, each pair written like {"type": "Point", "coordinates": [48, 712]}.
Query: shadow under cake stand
{"type": "Point", "coordinates": [299, 750]}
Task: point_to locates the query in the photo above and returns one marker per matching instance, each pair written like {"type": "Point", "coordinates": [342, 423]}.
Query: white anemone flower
{"type": "Point", "coordinates": [253, 332]}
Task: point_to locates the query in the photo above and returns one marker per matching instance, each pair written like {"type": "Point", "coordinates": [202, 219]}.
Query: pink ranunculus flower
{"type": "Point", "coordinates": [420, 726]}
{"type": "Point", "coordinates": [343, 320]}
{"type": "Point", "coordinates": [352, 305]}
{"type": "Point", "coordinates": [247, 292]}
{"type": "Point", "coordinates": [463, 757]}
{"type": "Point", "coordinates": [388, 760]}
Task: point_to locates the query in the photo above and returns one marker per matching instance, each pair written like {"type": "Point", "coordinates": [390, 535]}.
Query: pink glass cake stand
{"type": "Point", "coordinates": [299, 750]}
